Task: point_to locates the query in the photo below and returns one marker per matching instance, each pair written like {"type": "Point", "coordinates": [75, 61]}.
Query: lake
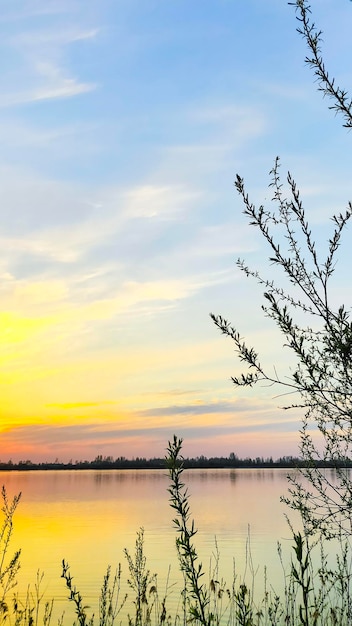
{"type": "Point", "coordinates": [88, 517]}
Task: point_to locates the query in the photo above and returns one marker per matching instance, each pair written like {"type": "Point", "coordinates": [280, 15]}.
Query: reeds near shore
{"type": "Point", "coordinates": [313, 592]}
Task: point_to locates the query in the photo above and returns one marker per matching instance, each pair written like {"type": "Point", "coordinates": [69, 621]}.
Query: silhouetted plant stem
{"type": "Point", "coordinates": [75, 596]}
{"type": "Point", "coordinates": [186, 530]}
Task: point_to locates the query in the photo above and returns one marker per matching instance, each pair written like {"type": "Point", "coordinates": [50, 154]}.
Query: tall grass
{"type": "Point", "coordinates": [314, 593]}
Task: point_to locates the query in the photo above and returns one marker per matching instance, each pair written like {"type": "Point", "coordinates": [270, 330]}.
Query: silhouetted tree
{"type": "Point", "coordinates": [317, 332]}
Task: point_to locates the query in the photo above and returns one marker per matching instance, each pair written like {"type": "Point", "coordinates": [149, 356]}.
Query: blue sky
{"type": "Point", "coordinates": [122, 127]}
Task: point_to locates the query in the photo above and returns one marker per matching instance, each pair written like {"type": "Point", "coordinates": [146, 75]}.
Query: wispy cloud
{"type": "Point", "coordinates": [244, 122]}
{"type": "Point", "coordinates": [42, 70]}
{"type": "Point", "coordinates": [83, 440]}
{"type": "Point", "coordinates": [52, 38]}
{"type": "Point", "coordinates": [63, 88]}
{"type": "Point", "coordinates": [32, 8]}
{"type": "Point", "coordinates": [79, 405]}
{"type": "Point", "coordinates": [192, 409]}
{"type": "Point", "coordinates": [71, 227]}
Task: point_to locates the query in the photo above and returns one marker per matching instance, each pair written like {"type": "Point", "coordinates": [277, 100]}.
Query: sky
{"type": "Point", "coordinates": [123, 124]}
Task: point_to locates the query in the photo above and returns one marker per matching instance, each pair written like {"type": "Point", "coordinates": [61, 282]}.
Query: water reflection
{"type": "Point", "coordinates": [88, 517]}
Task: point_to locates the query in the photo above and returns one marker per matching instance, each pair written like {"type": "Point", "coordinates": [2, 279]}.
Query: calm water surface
{"type": "Point", "coordinates": [89, 517]}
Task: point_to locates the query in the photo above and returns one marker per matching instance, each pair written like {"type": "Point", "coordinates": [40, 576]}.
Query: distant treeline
{"type": "Point", "coordinates": [218, 462]}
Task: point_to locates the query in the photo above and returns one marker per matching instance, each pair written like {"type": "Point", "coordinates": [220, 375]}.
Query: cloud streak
{"type": "Point", "coordinates": [45, 74]}
{"type": "Point", "coordinates": [61, 89]}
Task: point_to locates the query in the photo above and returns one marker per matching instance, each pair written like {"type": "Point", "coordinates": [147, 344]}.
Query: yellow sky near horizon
{"type": "Point", "coordinates": [53, 377]}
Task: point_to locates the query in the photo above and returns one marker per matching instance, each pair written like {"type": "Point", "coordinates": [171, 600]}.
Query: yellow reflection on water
{"type": "Point", "coordinates": [89, 517]}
